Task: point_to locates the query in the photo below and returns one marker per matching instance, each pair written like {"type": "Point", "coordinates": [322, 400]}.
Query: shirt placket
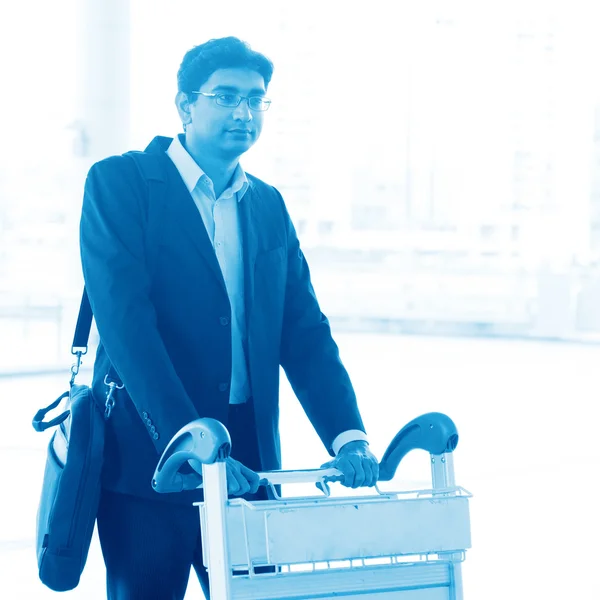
{"type": "Point", "coordinates": [219, 238]}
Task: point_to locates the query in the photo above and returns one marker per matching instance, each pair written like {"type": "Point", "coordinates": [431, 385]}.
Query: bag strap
{"type": "Point", "coordinates": [38, 421]}
{"type": "Point", "coordinates": [84, 323]}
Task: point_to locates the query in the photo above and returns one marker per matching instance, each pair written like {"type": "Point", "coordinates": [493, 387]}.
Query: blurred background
{"type": "Point", "coordinates": [441, 162]}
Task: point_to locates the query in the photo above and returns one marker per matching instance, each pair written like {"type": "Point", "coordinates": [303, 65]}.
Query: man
{"type": "Point", "coordinates": [197, 318]}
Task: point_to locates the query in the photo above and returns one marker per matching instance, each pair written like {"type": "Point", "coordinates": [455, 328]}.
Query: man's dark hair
{"type": "Point", "coordinates": [202, 61]}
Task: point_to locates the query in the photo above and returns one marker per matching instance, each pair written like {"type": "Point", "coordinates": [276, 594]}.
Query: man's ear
{"type": "Point", "coordinates": [182, 103]}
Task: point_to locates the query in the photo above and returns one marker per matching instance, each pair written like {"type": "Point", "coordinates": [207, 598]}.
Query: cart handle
{"type": "Point", "coordinates": [207, 441]}
{"type": "Point", "coordinates": [433, 432]}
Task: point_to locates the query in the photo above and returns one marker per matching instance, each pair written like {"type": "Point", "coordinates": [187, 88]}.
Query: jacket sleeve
{"type": "Point", "coordinates": [310, 356]}
{"type": "Point", "coordinates": [112, 244]}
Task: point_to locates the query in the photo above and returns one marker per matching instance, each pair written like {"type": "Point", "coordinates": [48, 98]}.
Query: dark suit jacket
{"type": "Point", "coordinates": [164, 321]}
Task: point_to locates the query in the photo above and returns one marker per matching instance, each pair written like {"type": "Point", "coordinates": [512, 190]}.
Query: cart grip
{"type": "Point", "coordinates": [434, 432]}
{"type": "Point", "coordinates": [204, 440]}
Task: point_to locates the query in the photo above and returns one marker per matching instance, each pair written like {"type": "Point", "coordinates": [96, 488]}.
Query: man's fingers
{"type": "Point", "coordinates": [251, 477]}
{"type": "Point", "coordinates": [243, 485]}
{"type": "Point", "coordinates": [371, 472]}
{"type": "Point", "coordinates": [239, 485]}
{"type": "Point", "coordinates": [359, 473]}
{"type": "Point", "coordinates": [358, 470]}
{"type": "Point", "coordinates": [232, 482]}
{"type": "Point", "coordinates": [374, 471]}
{"type": "Point", "coordinates": [348, 469]}
{"type": "Point", "coordinates": [247, 480]}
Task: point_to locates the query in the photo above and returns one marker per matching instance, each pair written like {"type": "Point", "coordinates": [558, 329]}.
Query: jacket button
{"type": "Point", "coordinates": [152, 429]}
{"type": "Point", "coordinates": [224, 321]}
{"type": "Point", "coordinates": [155, 436]}
{"type": "Point", "coordinates": [223, 387]}
{"type": "Point", "coordinates": [144, 415]}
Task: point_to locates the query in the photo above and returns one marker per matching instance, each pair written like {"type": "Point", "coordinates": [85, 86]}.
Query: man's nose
{"type": "Point", "coordinates": [242, 111]}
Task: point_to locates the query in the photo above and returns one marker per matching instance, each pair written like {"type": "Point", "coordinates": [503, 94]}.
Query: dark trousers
{"type": "Point", "coordinates": [150, 546]}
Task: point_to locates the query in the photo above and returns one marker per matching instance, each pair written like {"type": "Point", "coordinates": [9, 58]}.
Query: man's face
{"type": "Point", "coordinates": [226, 131]}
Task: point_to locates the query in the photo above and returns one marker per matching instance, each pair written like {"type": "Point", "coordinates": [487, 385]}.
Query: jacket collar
{"type": "Point", "coordinates": [188, 216]}
{"type": "Point", "coordinates": [192, 173]}
{"type": "Point", "coordinates": [160, 144]}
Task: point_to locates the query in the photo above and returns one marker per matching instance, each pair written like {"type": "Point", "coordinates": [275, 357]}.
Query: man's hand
{"type": "Point", "coordinates": [240, 479]}
{"type": "Point", "coordinates": [357, 463]}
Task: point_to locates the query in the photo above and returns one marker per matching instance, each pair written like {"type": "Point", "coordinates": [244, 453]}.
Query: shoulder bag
{"type": "Point", "coordinates": [71, 487]}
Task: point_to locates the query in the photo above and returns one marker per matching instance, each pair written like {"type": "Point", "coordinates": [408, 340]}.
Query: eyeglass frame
{"type": "Point", "coordinates": [247, 98]}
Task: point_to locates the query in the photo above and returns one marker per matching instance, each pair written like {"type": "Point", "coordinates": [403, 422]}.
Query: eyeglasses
{"type": "Point", "coordinates": [257, 103]}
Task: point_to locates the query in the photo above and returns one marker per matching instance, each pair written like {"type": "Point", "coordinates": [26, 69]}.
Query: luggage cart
{"type": "Point", "coordinates": [401, 545]}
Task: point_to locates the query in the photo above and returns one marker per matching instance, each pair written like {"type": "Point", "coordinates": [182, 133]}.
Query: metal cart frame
{"type": "Point", "coordinates": [406, 545]}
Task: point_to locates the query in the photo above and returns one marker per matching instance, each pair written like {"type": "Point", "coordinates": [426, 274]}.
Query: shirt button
{"type": "Point", "coordinates": [224, 321]}
{"type": "Point", "coordinates": [223, 387]}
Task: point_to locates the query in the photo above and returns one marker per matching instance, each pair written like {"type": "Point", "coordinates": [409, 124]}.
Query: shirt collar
{"type": "Point", "coordinates": [191, 173]}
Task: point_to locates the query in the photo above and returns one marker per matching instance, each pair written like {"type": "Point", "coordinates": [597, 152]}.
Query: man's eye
{"type": "Point", "coordinates": [229, 98]}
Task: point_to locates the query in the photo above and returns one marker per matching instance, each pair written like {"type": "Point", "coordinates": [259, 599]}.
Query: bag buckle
{"type": "Point", "coordinates": [76, 365]}
{"type": "Point", "coordinates": [110, 401]}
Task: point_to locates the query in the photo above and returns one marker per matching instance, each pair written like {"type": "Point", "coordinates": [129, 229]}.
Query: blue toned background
{"type": "Point", "coordinates": [442, 165]}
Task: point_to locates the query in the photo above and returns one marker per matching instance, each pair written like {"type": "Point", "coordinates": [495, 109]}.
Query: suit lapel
{"type": "Point", "coordinates": [190, 220]}
{"type": "Point", "coordinates": [248, 229]}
